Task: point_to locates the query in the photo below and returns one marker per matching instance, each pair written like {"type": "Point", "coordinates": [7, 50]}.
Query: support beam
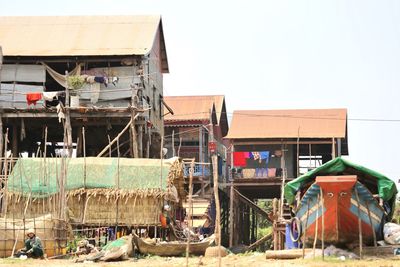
{"type": "Point", "coordinates": [231, 215]}
{"type": "Point", "coordinates": [252, 205]}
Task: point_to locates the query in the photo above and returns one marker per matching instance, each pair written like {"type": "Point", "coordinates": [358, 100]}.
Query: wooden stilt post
{"type": "Point", "coordinates": [231, 215]}
{"type": "Point", "coordinates": [140, 141]}
{"type": "Point", "coordinates": [173, 143]}
{"type": "Point", "coordinates": [190, 207]}
{"type": "Point", "coordinates": [274, 227]}
{"type": "Point", "coordinates": [298, 152]}
{"type": "Point", "coordinates": [218, 207]}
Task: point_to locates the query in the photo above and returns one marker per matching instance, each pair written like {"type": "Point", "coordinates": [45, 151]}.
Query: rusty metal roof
{"type": "Point", "coordinates": [187, 108]}
{"type": "Point", "coordinates": [303, 123]}
{"type": "Point", "coordinates": [79, 35]}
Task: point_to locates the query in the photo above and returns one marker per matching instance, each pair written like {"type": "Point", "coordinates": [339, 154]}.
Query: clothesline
{"type": "Point", "coordinates": [77, 90]}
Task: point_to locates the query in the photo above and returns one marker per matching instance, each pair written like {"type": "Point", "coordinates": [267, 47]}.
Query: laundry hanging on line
{"type": "Point", "coordinates": [32, 98]}
{"type": "Point", "coordinates": [50, 96]}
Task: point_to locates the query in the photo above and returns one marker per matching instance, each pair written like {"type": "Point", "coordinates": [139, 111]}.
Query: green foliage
{"type": "Point", "coordinates": [75, 82]}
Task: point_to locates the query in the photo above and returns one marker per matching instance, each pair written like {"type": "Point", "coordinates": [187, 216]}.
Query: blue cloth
{"type": "Point", "coordinates": [264, 155]}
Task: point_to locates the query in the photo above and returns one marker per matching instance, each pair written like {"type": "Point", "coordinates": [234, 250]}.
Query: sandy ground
{"type": "Point", "coordinates": [250, 260]}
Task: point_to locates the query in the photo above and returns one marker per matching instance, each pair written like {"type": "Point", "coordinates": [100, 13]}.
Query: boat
{"type": "Point", "coordinates": [338, 198]}
{"type": "Point", "coordinates": [171, 248]}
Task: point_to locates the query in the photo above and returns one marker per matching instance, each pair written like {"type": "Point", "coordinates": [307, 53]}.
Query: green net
{"type": "Point", "coordinates": [41, 177]}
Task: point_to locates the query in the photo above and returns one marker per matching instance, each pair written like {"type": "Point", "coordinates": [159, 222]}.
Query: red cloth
{"type": "Point", "coordinates": [271, 172]}
{"type": "Point", "coordinates": [32, 98]}
{"type": "Point", "coordinates": [239, 159]}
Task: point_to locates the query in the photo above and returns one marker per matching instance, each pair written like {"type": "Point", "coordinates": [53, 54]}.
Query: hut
{"type": "Point", "coordinates": [93, 192]}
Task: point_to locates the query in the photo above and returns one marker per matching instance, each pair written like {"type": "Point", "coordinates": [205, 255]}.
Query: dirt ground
{"type": "Point", "coordinates": [248, 260]}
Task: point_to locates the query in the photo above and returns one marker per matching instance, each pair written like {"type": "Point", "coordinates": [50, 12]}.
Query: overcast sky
{"type": "Point", "coordinates": [278, 55]}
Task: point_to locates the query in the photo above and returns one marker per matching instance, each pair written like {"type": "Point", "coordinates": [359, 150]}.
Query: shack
{"type": "Point", "coordinates": [270, 148]}
{"type": "Point", "coordinates": [99, 73]}
{"type": "Point", "coordinates": [96, 193]}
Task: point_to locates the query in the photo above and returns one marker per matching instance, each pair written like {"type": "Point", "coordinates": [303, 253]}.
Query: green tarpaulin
{"type": "Point", "coordinates": [40, 177]}
{"type": "Point", "coordinates": [386, 188]}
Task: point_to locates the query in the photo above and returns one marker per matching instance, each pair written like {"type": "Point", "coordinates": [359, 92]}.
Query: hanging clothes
{"type": "Point", "coordinates": [32, 98]}
{"type": "Point", "coordinates": [50, 96]}
{"type": "Point", "coordinates": [101, 79]}
{"type": "Point", "coordinates": [239, 159]}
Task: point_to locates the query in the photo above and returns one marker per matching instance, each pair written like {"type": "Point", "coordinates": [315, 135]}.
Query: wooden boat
{"type": "Point", "coordinates": [172, 248]}
{"type": "Point", "coordinates": [339, 200]}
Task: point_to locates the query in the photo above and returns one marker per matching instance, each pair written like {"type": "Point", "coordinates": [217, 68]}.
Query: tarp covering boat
{"type": "Point", "coordinates": [376, 183]}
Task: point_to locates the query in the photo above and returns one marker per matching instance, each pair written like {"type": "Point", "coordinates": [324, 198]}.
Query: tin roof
{"type": "Point", "coordinates": [79, 35]}
{"type": "Point", "coordinates": [303, 123]}
{"type": "Point", "coordinates": [197, 108]}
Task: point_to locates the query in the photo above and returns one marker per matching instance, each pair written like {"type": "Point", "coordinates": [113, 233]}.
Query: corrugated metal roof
{"type": "Point", "coordinates": [193, 107]}
{"type": "Point", "coordinates": [305, 123]}
{"type": "Point", "coordinates": [78, 35]}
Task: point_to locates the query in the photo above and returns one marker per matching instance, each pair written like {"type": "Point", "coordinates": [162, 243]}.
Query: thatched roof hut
{"type": "Point", "coordinates": [106, 191]}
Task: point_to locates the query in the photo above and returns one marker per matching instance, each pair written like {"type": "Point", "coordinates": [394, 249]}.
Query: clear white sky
{"type": "Point", "coordinates": [277, 55]}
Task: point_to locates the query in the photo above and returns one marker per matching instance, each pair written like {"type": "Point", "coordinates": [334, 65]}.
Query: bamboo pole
{"type": "Point", "coordinates": [191, 170]}
{"type": "Point", "coordinates": [218, 207]}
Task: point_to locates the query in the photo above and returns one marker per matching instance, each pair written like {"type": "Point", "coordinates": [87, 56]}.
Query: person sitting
{"type": "Point", "coordinates": [33, 246]}
{"type": "Point", "coordinates": [207, 228]}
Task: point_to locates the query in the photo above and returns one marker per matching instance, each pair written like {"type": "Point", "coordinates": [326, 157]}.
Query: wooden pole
{"type": "Point", "coordinates": [84, 156]}
{"type": "Point", "coordinates": [5, 175]}
{"type": "Point", "coordinates": [110, 146]}
{"type": "Point", "coordinates": [333, 148]}
{"type": "Point", "coordinates": [140, 138]}
{"type": "Point", "coordinates": [190, 206]}
{"type": "Point", "coordinates": [218, 207]}
{"type": "Point", "coordinates": [231, 215]}
{"type": "Point", "coordinates": [298, 152]}
{"type": "Point", "coordinates": [305, 228]}
{"type": "Point", "coordinates": [284, 173]}
{"type": "Point", "coordinates": [133, 132]}
{"type": "Point", "coordinates": [173, 143]}
{"type": "Point", "coordinates": [68, 119]}
{"type": "Point", "coordinates": [359, 221]}
{"type": "Point", "coordinates": [316, 226]}
{"type": "Point", "coordinates": [161, 161]}
{"type": "Point", "coordinates": [118, 136]}
{"type": "Point", "coordinates": [322, 223]}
